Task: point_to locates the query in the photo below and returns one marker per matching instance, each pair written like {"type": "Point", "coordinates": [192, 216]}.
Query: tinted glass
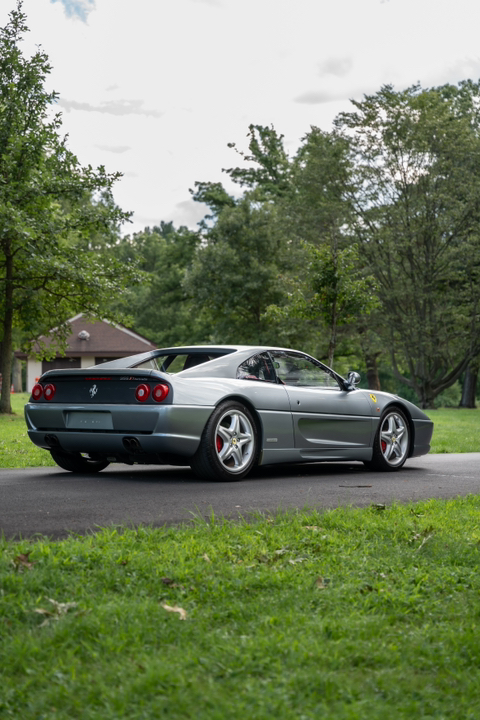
{"type": "Point", "coordinates": [175, 363]}
{"type": "Point", "coordinates": [296, 369]}
{"type": "Point", "coordinates": [258, 367]}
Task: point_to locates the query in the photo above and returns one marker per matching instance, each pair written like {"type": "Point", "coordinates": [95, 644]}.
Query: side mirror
{"type": "Point", "coordinates": [353, 378]}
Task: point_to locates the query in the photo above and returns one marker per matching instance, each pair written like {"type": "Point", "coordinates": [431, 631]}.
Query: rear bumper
{"type": "Point", "coordinates": [171, 429]}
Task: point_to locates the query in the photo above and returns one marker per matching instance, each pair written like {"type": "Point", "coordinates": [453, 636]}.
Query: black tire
{"type": "Point", "coordinates": [392, 442]}
{"type": "Point", "coordinates": [229, 448]}
{"type": "Point", "coordinates": [77, 463]}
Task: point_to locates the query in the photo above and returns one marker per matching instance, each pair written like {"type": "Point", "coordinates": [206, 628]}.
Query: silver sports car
{"type": "Point", "coordinates": [222, 410]}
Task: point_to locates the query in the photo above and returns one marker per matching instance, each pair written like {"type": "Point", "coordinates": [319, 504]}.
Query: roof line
{"type": "Point", "coordinates": [129, 332]}
{"type": "Point", "coordinates": [118, 327]}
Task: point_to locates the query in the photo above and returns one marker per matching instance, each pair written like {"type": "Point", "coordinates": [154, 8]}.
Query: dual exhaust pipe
{"type": "Point", "coordinates": [131, 444]}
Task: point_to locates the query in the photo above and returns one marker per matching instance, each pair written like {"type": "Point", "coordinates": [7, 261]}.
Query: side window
{"type": "Point", "coordinates": [258, 367]}
{"type": "Point", "coordinates": [296, 369]}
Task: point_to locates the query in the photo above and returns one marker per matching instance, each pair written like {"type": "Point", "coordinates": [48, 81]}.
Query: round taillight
{"type": "Point", "coordinates": [49, 391]}
{"type": "Point", "coordinates": [37, 391]}
{"type": "Point", "coordinates": [142, 392]}
{"type": "Point", "coordinates": [160, 392]}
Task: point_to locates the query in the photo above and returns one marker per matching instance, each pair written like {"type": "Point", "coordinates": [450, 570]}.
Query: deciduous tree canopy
{"type": "Point", "coordinates": [415, 199]}
{"type": "Point", "coordinates": [52, 210]}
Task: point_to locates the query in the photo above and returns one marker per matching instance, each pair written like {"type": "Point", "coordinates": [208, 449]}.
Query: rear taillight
{"type": "Point", "coordinates": [49, 391]}
{"type": "Point", "coordinates": [37, 391]}
{"type": "Point", "coordinates": [160, 392]}
{"type": "Point", "coordinates": [142, 392]}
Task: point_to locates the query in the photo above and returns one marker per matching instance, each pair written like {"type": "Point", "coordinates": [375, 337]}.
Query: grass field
{"type": "Point", "coordinates": [342, 615]}
{"type": "Point", "coordinates": [456, 430]}
{"type": "Point", "coordinates": [348, 614]}
{"type": "Point", "coordinates": [16, 449]}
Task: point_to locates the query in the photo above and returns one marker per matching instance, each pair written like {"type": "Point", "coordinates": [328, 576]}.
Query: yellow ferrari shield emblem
{"type": "Point", "coordinates": [373, 397]}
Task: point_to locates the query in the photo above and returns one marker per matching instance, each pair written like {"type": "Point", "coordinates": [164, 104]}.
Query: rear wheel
{"type": "Point", "coordinates": [392, 442]}
{"type": "Point", "coordinates": [229, 447]}
{"type": "Point", "coordinates": [78, 463]}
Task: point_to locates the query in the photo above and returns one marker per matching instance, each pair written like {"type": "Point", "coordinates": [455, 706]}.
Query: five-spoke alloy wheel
{"type": "Point", "coordinates": [392, 442]}
{"type": "Point", "coordinates": [229, 447]}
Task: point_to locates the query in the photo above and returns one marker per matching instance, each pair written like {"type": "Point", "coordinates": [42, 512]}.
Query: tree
{"type": "Point", "coordinates": [415, 201]}
{"type": "Point", "coordinates": [50, 209]}
{"type": "Point", "coordinates": [161, 308]}
{"type": "Point", "coordinates": [235, 274]}
{"type": "Point", "coordinates": [330, 288]}
{"type": "Point", "coordinates": [270, 175]}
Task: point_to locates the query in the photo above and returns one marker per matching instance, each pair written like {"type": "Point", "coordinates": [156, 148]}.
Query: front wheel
{"type": "Point", "coordinates": [229, 447]}
{"type": "Point", "coordinates": [391, 443]}
{"type": "Point", "coordinates": [77, 463]}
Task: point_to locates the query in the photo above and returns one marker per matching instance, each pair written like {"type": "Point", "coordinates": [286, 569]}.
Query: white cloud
{"type": "Point", "coordinates": [111, 107]}
{"type": "Point", "coordinates": [338, 66]}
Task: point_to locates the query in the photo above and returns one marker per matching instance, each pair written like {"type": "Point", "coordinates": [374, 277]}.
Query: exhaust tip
{"type": "Point", "coordinates": [132, 445]}
{"type": "Point", "coordinates": [52, 441]}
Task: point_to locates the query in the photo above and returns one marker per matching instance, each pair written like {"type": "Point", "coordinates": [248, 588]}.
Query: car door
{"type": "Point", "coordinates": [325, 416]}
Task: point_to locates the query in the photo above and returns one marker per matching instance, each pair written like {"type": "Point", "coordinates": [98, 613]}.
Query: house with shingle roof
{"type": "Point", "coordinates": [90, 342]}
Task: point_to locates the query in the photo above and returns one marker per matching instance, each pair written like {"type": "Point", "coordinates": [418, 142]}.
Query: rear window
{"type": "Point", "coordinates": [174, 363]}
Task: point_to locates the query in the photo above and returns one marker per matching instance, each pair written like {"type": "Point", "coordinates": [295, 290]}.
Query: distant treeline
{"type": "Point", "coordinates": [362, 248]}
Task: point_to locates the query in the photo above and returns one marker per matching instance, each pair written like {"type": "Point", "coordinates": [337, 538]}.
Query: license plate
{"type": "Point", "coordinates": [89, 421]}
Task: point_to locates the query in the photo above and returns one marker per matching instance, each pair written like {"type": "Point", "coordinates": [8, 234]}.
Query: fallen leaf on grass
{"type": "Point", "coordinates": [181, 612]}
{"type": "Point", "coordinates": [322, 583]}
{"type": "Point", "coordinates": [425, 540]}
{"type": "Point", "coordinates": [23, 560]}
{"type": "Point", "coordinates": [206, 558]}
{"type": "Point", "coordinates": [171, 583]}
{"type": "Point", "coordinates": [42, 611]}
{"type": "Point", "coordinates": [59, 610]}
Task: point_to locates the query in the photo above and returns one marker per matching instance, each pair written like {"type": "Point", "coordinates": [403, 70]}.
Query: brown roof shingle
{"type": "Point", "coordinates": [101, 338]}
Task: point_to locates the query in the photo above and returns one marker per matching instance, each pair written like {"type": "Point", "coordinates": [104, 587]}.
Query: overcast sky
{"type": "Point", "coordinates": [157, 88]}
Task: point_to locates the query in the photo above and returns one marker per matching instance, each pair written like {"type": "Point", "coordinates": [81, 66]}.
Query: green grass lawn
{"type": "Point", "coordinates": [343, 615]}
{"type": "Point", "coordinates": [456, 430]}
{"type": "Point", "coordinates": [16, 449]}
{"type": "Point", "coordinates": [348, 614]}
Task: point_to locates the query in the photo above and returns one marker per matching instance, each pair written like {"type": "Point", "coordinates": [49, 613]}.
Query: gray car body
{"type": "Point", "coordinates": [295, 424]}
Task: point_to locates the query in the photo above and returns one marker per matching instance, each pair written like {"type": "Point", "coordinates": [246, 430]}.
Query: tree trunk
{"type": "Point", "coordinates": [17, 376]}
{"type": "Point", "coordinates": [7, 343]}
{"type": "Point", "coordinates": [427, 397]}
{"type": "Point", "coordinates": [333, 336]}
{"type": "Point", "coordinates": [469, 391]}
{"type": "Point", "coordinates": [6, 371]}
{"type": "Point", "coordinates": [373, 381]}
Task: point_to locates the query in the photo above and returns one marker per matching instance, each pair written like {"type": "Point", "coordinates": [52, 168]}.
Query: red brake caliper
{"type": "Point", "coordinates": [219, 443]}
{"type": "Point", "coordinates": [384, 445]}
